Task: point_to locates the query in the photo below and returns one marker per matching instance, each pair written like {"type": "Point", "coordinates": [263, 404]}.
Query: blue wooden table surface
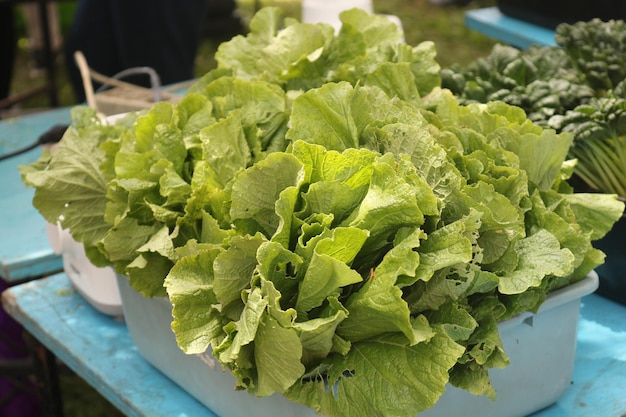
{"type": "Point", "coordinates": [100, 350]}
{"type": "Point", "coordinates": [599, 380]}
{"type": "Point", "coordinates": [24, 248]}
{"type": "Point", "coordinates": [491, 22]}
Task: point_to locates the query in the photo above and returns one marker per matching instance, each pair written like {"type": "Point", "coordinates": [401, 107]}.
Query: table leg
{"type": "Point", "coordinates": [45, 364]}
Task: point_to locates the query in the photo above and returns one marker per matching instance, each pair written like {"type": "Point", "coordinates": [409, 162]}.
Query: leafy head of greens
{"type": "Point", "coordinates": [380, 236]}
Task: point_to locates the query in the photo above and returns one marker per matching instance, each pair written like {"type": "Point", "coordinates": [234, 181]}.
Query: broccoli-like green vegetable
{"type": "Point", "coordinates": [597, 50]}
{"type": "Point", "coordinates": [541, 81]}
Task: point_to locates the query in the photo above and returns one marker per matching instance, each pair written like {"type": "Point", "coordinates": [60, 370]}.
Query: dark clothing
{"type": "Point", "coordinates": [8, 44]}
{"type": "Point", "coordinates": [12, 346]}
{"type": "Point", "coordinates": [115, 35]}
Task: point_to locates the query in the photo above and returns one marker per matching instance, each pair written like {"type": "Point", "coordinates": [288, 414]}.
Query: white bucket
{"type": "Point", "coordinates": [327, 11]}
{"type": "Point", "coordinates": [97, 285]}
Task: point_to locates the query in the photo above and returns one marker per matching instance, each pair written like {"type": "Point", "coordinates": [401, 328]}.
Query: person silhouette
{"type": "Point", "coordinates": [115, 35]}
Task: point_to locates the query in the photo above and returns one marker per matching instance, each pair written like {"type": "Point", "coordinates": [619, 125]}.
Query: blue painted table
{"type": "Point", "coordinates": [491, 22]}
{"type": "Point", "coordinates": [24, 249]}
{"type": "Point", "coordinates": [100, 350]}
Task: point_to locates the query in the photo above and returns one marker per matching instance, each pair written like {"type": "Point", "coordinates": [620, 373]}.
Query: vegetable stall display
{"type": "Point", "coordinates": [577, 86]}
{"type": "Point", "coordinates": [336, 227]}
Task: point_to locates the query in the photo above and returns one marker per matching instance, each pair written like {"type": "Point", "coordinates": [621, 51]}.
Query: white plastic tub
{"type": "Point", "coordinates": [148, 322]}
{"type": "Point", "coordinates": [96, 285]}
{"type": "Point", "coordinates": [541, 347]}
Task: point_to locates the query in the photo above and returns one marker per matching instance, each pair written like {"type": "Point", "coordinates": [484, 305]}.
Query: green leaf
{"type": "Point", "coordinates": [318, 335]}
{"type": "Point", "coordinates": [328, 270]}
{"type": "Point", "coordinates": [147, 273]}
{"type": "Point", "coordinates": [161, 243]}
{"type": "Point", "coordinates": [457, 322]}
{"type": "Point", "coordinates": [271, 47]}
{"type": "Point", "coordinates": [595, 213]}
{"type": "Point", "coordinates": [277, 354]}
{"type": "Point", "coordinates": [396, 80]}
{"type": "Point", "coordinates": [255, 211]}
{"type": "Point", "coordinates": [541, 155]}
{"type": "Point", "coordinates": [446, 246]}
{"type": "Point", "coordinates": [70, 187]}
{"type": "Point", "coordinates": [276, 264]}
{"type": "Point", "coordinates": [245, 328]}
{"type": "Point", "coordinates": [429, 157]}
{"type": "Point", "coordinates": [233, 269]}
{"type": "Point", "coordinates": [389, 205]}
{"type": "Point", "coordinates": [225, 147]}
{"type": "Point", "coordinates": [406, 379]}
{"type": "Point", "coordinates": [125, 238]}
{"type": "Point", "coordinates": [263, 125]}
{"type": "Point", "coordinates": [377, 308]}
{"type": "Point", "coordinates": [324, 116]}
{"type": "Point", "coordinates": [473, 378]}
{"type": "Point", "coordinates": [540, 255]}
{"type": "Point", "coordinates": [402, 261]}
{"type": "Point", "coordinates": [189, 286]}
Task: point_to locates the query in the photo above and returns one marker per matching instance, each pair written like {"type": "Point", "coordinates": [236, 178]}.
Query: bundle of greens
{"type": "Point", "coordinates": [540, 80]}
{"type": "Point", "coordinates": [576, 87]}
{"type": "Point", "coordinates": [331, 224]}
{"type": "Point", "coordinates": [600, 146]}
{"type": "Point", "coordinates": [597, 51]}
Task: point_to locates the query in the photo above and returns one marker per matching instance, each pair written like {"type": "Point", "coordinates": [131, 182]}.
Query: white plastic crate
{"type": "Point", "coordinates": [541, 347]}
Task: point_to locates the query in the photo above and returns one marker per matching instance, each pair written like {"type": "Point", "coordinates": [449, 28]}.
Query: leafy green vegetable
{"type": "Point", "coordinates": [299, 56]}
{"type": "Point", "coordinates": [360, 247]}
{"type": "Point", "coordinates": [597, 50]}
{"type": "Point", "coordinates": [540, 80]}
{"type": "Point", "coordinates": [330, 223]}
{"type": "Point", "coordinates": [71, 185]}
{"type": "Point", "coordinates": [600, 146]}
{"type": "Point", "coordinates": [577, 87]}
{"type": "Point", "coordinates": [330, 299]}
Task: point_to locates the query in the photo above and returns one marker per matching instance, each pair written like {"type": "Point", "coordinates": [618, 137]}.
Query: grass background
{"type": "Point", "coordinates": [421, 21]}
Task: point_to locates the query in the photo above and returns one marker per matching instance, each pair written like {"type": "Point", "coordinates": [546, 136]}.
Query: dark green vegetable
{"type": "Point", "coordinates": [597, 50]}
{"type": "Point", "coordinates": [541, 81]}
{"type": "Point", "coordinates": [599, 129]}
